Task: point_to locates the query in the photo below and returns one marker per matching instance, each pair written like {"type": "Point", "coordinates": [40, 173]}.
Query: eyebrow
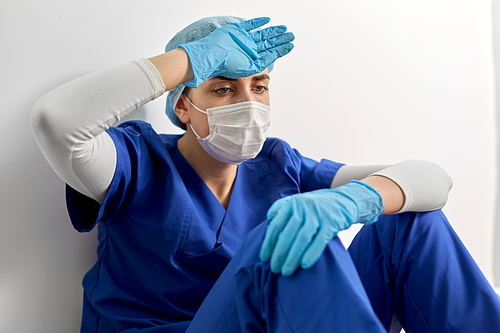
{"type": "Point", "coordinates": [254, 78]}
{"type": "Point", "coordinates": [261, 77]}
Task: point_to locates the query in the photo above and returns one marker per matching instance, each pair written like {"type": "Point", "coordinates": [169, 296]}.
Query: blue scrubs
{"type": "Point", "coordinates": [328, 297]}
{"type": "Point", "coordinates": [164, 240]}
{"type": "Point", "coordinates": [412, 265]}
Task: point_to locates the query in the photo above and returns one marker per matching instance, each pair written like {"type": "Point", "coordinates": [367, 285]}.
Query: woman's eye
{"type": "Point", "coordinates": [223, 90]}
{"type": "Point", "coordinates": [261, 89]}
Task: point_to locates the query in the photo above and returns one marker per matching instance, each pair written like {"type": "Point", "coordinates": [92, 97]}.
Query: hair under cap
{"type": "Point", "coordinates": [194, 31]}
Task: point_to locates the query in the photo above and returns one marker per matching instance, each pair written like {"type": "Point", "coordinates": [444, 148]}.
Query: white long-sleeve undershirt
{"type": "Point", "coordinates": [69, 125]}
{"type": "Point", "coordinates": [69, 122]}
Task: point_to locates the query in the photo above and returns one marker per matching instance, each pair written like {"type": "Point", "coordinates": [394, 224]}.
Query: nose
{"type": "Point", "coordinates": [245, 96]}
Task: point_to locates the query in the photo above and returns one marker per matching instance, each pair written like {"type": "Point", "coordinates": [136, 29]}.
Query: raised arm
{"type": "Point", "coordinates": [69, 122]}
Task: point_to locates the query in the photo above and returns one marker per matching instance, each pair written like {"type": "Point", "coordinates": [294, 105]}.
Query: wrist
{"type": "Point", "coordinates": [392, 195]}
{"type": "Point", "coordinates": [174, 67]}
{"type": "Point", "coordinates": [368, 200]}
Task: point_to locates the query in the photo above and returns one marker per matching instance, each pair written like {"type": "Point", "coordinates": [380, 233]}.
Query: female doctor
{"type": "Point", "coordinates": [173, 210]}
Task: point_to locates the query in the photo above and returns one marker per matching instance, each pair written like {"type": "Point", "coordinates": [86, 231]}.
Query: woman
{"type": "Point", "coordinates": [174, 209]}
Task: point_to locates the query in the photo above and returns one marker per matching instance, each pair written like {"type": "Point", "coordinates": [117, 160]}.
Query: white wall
{"type": "Point", "coordinates": [368, 82]}
{"type": "Point", "coordinates": [496, 53]}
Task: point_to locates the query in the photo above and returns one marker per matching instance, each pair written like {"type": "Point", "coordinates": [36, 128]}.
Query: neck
{"type": "Point", "coordinates": [219, 177]}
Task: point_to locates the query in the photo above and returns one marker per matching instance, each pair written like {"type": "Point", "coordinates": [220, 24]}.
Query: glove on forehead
{"type": "Point", "coordinates": [191, 33]}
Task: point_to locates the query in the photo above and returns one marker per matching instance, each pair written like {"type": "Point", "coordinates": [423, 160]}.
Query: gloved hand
{"type": "Point", "coordinates": [231, 51]}
{"type": "Point", "coordinates": [301, 225]}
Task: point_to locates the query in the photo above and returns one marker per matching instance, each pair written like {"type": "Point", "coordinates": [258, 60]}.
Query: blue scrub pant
{"type": "Point", "coordinates": [411, 266]}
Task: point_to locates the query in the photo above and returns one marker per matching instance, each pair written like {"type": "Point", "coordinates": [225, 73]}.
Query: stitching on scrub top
{"type": "Point", "coordinates": [268, 176]}
{"type": "Point", "coordinates": [269, 179]}
{"type": "Point", "coordinates": [184, 230]}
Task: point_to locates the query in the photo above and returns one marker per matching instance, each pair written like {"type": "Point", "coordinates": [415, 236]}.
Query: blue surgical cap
{"type": "Point", "coordinates": [191, 33]}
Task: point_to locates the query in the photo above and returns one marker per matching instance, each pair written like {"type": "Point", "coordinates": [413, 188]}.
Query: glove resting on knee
{"type": "Point", "coordinates": [300, 226]}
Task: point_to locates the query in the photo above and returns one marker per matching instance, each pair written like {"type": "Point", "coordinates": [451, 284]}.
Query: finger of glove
{"type": "Point", "coordinates": [275, 41]}
{"type": "Point", "coordinates": [318, 245]}
{"type": "Point", "coordinates": [276, 207]}
{"type": "Point", "coordinates": [254, 23]}
{"type": "Point", "coordinates": [299, 246]}
{"type": "Point", "coordinates": [284, 242]}
{"type": "Point", "coordinates": [269, 56]}
{"type": "Point", "coordinates": [276, 225]}
{"type": "Point", "coordinates": [268, 33]}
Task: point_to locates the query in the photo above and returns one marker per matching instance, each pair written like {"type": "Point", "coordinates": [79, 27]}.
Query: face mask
{"type": "Point", "coordinates": [237, 131]}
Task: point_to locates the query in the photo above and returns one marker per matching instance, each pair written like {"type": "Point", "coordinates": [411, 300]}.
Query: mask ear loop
{"type": "Point", "coordinates": [197, 108]}
{"type": "Point", "coordinates": [192, 129]}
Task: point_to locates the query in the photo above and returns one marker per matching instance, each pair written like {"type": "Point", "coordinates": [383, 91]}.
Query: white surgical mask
{"type": "Point", "coordinates": [237, 131]}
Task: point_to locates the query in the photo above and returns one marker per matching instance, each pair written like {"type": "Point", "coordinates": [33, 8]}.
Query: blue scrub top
{"type": "Point", "coordinates": [164, 238]}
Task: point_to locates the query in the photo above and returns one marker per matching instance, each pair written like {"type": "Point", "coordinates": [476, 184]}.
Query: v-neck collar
{"type": "Point", "coordinates": [207, 207]}
{"type": "Point", "coordinates": [207, 221]}
{"type": "Point", "coordinates": [197, 185]}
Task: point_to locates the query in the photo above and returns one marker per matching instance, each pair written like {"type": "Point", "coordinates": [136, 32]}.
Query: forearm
{"type": "Point", "coordinates": [424, 185]}
{"type": "Point", "coordinates": [174, 67]}
{"type": "Point", "coordinates": [393, 197]}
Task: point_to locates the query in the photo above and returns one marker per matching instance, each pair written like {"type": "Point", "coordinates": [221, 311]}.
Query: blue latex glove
{"type": "Point", "coordinates": [233, 51]}
{"type": "Point", "coordinates": [301, 225]}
